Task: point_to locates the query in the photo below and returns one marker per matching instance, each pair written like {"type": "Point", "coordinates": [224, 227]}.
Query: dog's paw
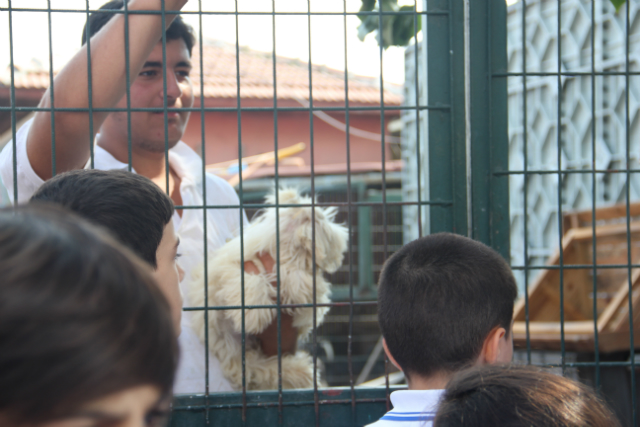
{"type": "Point", "coordinates": [262, 372]}
{"type": "Point", "coordinates": [297, 371]}
{"type": "Point", "coordinates": [258, 291]}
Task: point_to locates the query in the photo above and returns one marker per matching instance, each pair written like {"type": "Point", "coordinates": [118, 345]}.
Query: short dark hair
{"type": "Point", "coordinates": [130, 206]}
{"type": "Point", "coordinates": [439, 297]}
{"type": "Point", "coordinates": [177, 30]}
{"type": "Point", "coordinates": [80, 317]}
{"type": "Point", "coordinates": [519, 396]}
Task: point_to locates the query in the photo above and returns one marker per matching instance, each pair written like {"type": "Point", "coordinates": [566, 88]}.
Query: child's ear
{"type": "Point", "coordinates": [493, 347]}
{"type": "Point", "coordinates": [389, 355]}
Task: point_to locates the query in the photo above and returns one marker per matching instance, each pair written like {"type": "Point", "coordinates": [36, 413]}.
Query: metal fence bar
{"type": "Point", "coordinates": [90, 84]}
{"type": "Point", "coordinates": [223, 13]}
{"type": "Point", "coordinates": [438, 30]}
{"type": "Point", "coordinates": [164, 98]}
{"type": "Point", "coordinates": [349, 227]}
{"type": "Point", "coordinates": [321, 204]}
{"type": "Point", "coordinates": [205, 284]}
{"type": "Point", "coordinates": [525, 141]}
{"type": "Point", "coordinates": [627, 202]}
{"type": "Point", "coordinates": [487, 134]}
{"type": "Point", "coordinates": [51, 93]}
{"type": "Point", "coordinates": [13, 105]}
{"type": "Point", "coordinates": [127, 71]}
{"type": "Point", "coordinates": [567, 73]}
{"type": "Point", "coordinates": [417, 103]}
{"type": "Point", "coordinates": [240, 214]}
{"type": "Point", "coordinates": [278, 301]}
{"type": "Point", "coordinates": [567, 171]}
{"type": "Point", "coordinates": [263, 306]}
{"type": "Point", "coordinates": [594, 254]}
{"type": "Point", "coordinates": [559, 172]}
{"type": "Point", "coordinates": [232, 109]}
{"type": "Point", "coordinates": [384, 185]}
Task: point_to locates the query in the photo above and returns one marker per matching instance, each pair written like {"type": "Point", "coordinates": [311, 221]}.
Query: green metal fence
{"type": "Point", "coordinates": [466, 74]}
{"type": "Point", "coordinates": [573, 62]}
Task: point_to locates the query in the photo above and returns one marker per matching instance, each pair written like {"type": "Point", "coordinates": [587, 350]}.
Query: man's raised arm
{"type": "Point", "coordinates": [71, 87]}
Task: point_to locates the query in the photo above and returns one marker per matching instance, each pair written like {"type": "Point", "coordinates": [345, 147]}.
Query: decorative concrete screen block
{"type": "Point", "coordinates": [537, 140]}
{"type": "Point", "coordinates": [580, 149]}
{"type": "Point", "coordinates": [414, 132]}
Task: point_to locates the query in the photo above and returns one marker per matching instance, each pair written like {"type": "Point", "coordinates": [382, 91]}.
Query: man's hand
{"type": "Point", "coordinates": [269, 337]}
{"type": "Point", "coordinates": [157, 4]}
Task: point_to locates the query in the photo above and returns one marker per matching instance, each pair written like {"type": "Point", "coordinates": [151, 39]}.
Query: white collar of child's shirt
{"type": "Point", "coordinates": [182, 159]}
{"type": "Point", "coordinates": [416, 400]}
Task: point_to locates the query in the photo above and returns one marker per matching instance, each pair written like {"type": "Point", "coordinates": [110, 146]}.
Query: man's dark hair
{"type": "Point", "coordinates": [520, 396]}
{"type": "Point", "coordinates": [130, 206]}
{"type": "Point", "coordinates": [80, 317]}
{"type": "Point", "coordinates": [439, 297]}
{"type": "Point", "coordinates": [177, 30]}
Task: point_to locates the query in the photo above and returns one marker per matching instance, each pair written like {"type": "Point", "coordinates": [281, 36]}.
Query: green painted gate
{"type": "Point", "coordinates": [468, 146]}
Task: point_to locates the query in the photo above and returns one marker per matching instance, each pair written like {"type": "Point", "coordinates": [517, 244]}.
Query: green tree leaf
{"type": "Point", "coordinates": [396, 30]}
{"type": "Point", "coordinates": [618, 4]}
{"type": "Point", "coordinates": [367, 6]}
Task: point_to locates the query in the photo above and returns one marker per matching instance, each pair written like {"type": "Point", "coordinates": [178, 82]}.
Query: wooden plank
{"type": "Point", "coordinates": [571, 313]}
{"type": "Point", "coordinates": [577, 286]}
{"type": "Point", "coordinates": [606, 318]}
{"type": "Point", "coordinates": [620, 323]}
{"type": "Point", "coordinates": [572, 327]}
{"type": "Point", "coordinates": [606, 230]}
{"type": "Point", "coordinates": [282, 153]}
{"type": "Point", "coordinates": [544, 298]}
{"type": "Point", "coordinates": [537, 295]}
{"type": "Point", "coordinates": [608, 342]}
{"type": "Point", "coordinates": [584, 218]}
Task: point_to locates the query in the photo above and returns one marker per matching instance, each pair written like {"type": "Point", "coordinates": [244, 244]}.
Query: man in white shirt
{"type": "Point", "coordinates": [110, 133]}
{"type": "Point", "coordinates": [445, 303]}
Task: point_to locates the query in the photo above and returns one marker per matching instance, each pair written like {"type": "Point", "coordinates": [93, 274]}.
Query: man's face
{"type": "Point", "coordinates": [147, 91]}
{"type": "Point", "coordinates": [168, 274]}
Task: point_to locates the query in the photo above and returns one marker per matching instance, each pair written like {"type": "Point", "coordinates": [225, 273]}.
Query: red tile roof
{"type": "Point", "coordinates": [256, 77]}
{"type": "Point", "coordinates": [292, 76]}
{"type": "Point", "coordinates": [29, 79]}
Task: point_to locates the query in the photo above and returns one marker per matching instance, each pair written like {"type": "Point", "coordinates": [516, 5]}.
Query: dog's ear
{"type": "Point", "coordinates": [331, 241]}
{"type": "Point", "coordinates": [286, 196]}
{"type": "Point", "coordinates": [330, 238]}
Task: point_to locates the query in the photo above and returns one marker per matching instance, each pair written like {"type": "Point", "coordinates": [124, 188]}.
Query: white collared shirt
{"type": "Point", "coordinates": [411, 408]}
{"type": "Point", "coordinates": [222, 224]}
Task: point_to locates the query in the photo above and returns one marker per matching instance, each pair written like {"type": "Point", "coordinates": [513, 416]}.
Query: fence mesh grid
{"type": "Point", "coordinates": [380, 212]}
{"type": "Point", "coordinates": [573, 132]}
{"type": "Point", "coordinates": [573, 147]}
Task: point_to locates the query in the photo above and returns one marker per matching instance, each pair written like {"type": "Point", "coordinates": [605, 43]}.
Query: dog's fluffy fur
{"type": "Point", "coordinates": [296, 287]}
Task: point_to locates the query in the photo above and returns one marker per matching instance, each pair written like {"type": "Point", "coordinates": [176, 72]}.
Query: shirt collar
{"type": "Point", "coordinates": [183, 160]}
{"type": "Point", "coordinates": [412, 400]}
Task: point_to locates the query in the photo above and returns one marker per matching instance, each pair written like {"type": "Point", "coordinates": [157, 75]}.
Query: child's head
{"type": "Point", "coordinates": [520, 396]}
{"type": "Point", "coordinates": [445, 302]}
{"type": "Point", "coordinates": [135, 210]}
{"type": "Point", "coordinates": [81, 320]}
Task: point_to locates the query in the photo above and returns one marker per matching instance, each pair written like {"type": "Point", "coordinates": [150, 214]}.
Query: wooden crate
{"type": "Point", "coordinates": [611, 293]}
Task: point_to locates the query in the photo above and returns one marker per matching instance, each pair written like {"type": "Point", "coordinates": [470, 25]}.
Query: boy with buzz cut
{"type": "Point", "coordinates": [134, 210]}
{"type": "Point", "coordinates": [445, 303]}
{"type": "Point", "coordinates": [140, 216]}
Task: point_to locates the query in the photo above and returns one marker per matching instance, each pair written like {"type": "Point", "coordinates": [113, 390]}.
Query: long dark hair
{"type": "Point", "coordinates": [80, 317]}
{"type": "Point", "coordinates": [520, 396]}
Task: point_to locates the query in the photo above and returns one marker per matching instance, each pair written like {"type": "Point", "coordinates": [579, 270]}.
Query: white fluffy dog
{"type": "Point", "coordinates": [296, 287]}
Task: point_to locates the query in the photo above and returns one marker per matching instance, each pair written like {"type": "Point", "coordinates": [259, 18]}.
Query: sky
{"type": "Point", "coordinates": [31, 33]}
